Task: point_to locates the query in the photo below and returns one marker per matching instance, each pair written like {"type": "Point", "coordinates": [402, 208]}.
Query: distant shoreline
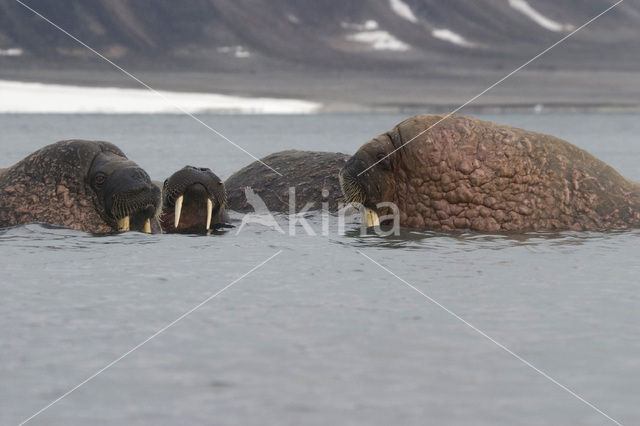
{"type": "Point", "coordinates": [529, 91]}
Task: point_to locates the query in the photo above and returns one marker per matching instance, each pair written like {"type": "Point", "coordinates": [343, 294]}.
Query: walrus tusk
{"type": "Point", "coordinates": [178, 210]}
{"type": "Point", "coordinates": [209, 211]}
{"type": "Point", "coordinates": [147, 227]}
{"type": "Point", "coordinates": [371, 217]}
{"type": "Point", "coordinates": [123, 224]}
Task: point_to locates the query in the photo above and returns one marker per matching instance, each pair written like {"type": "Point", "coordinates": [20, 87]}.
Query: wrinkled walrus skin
{"type": "Point", "coordinates": [56, 185]}
{"type": "Point", "coordinates": [309, 172]}
{"type": "Point", "coordinates": [466, 173]}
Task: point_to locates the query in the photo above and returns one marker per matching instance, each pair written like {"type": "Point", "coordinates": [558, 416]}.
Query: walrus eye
{"type": "Point", "coordinates": [100, 179]}
{"type": "Point", "coordinates": [384, 160]}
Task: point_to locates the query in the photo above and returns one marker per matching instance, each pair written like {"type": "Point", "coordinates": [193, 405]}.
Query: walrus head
{"type": "Point", "coordinates": [368, 178]}
{"type": "Point", "coordinates": [194, 201]}
{"type": "Point", "coordinates": [125, 194]}
{"type": "Point", "coordinates": [90, 186]}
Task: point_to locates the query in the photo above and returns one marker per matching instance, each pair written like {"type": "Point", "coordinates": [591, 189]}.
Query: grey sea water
{"type": "Point", "coordinates": [319, 334]}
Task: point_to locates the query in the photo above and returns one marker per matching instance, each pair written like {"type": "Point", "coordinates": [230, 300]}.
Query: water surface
{"type": "Point", "coordinates": [318, 335]}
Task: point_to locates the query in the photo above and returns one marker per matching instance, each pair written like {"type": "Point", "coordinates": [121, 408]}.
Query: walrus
{"type": "Point", "coordinates": [464, 173]}
{"type": "Point", "coordinates": [313, 174]}
{"type": "Point", "coordinates": [90, 186]}
{"type": "Point", "coordinates": [194, 201]}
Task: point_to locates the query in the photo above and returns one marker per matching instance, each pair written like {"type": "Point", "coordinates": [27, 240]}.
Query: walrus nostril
{"type": "Point", "coordinates": [139, 175]}
{"type": "Point", "coordinates": [355, 166]}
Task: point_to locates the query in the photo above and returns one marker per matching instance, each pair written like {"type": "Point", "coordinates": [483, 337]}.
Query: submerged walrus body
{"type": "Point", "coordinates": [314, 175]}
{"type": "Point", "coordinates": [465, 173]}
{"type": "Point", "coordinates": [85, 185]}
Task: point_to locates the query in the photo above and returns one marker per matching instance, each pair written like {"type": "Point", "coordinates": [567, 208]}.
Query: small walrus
{"type": "Point", "coordinates": [464, 173]}
{"type": "Point", "coordinates": [313, 174]}
{"type": "Point", "coordinates": [90, 186]}
{"type": "Point", "coordinates": [194, 201]}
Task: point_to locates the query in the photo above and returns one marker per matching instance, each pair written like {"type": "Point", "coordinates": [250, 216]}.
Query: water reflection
{"type": "Point", "coordinates": [46, 236]}
{"type": "Point", "coordinates": [413, 239]}
{"type": "Point", "coordinates": [52, 237]}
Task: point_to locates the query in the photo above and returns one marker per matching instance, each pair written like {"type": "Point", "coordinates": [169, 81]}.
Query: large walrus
{"type": "Point", "coordinates": [194, 201]}
{"type": "Point", "coordinates": [313, 174]}
{"type": "Point", "coordinates": [85, 185]}
{"type": "Point", "coordinates": [465, 173]}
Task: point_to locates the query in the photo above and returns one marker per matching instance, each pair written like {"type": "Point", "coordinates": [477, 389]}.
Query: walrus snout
{"type": "Point", "coordinates": [351, 183]}
{"type": "Point", "coordinates": [193, 198]}
{"type": "Point", "coordinates": [131, 199]}
{"type": "Point", "coordinates": [354, 191]}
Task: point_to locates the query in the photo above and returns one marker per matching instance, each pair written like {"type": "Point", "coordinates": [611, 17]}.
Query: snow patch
{"type": "Point", "coordinates": [369, 25]}
{"type": "Point", "coordinates": [525, 8]}
{"type": "Point", "coordinates": [451, 37]}
{"type": "Point", "coordinates": [380, 40]}
{"type": "Point", "coordinates": [369, 33]}
{"type": "Point", "coordinates": [20, 97]}
{"type": "Point", "coordinates": [236, 51]}
{"type": "Point", "coordinates": [12, 51]}
{"type": "Point", "coordinates": [403, 10]}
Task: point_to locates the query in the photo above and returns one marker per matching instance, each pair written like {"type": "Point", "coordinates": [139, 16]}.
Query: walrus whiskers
{"type": "Point", "coordinates": [122, 211]}
{"type": "Point", "coordinates": [354, 194]}
{"type": "Point", "coordinates": [351, 189]}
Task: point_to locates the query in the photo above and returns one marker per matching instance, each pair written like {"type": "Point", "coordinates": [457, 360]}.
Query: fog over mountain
{"type": "Point", "coordinates": [380, 53]}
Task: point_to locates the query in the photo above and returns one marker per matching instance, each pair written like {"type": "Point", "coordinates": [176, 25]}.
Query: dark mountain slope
{"type": "Point", "coordinates": [341, 40]}
{"type": "Point", "coordinates": [309, 32]}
